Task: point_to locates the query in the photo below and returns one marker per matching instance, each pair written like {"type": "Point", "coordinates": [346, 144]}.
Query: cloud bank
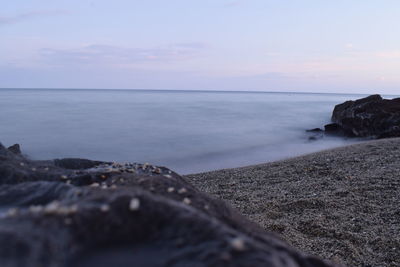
{"type": "Point", "coordinates": [98, 53]}
{"type": "Point", "coordinates": [4, 20]}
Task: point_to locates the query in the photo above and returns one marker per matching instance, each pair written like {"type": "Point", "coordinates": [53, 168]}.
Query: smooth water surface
{"type": "Point", "coordinates": [187, 131]}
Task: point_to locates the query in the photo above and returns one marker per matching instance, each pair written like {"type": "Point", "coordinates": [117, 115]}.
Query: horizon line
{"type": "Point", "coordinates": [183, 90]}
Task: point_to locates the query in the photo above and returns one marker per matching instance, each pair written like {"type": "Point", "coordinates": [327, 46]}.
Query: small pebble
{"type": "Point", "coordinates": [33, 169]}
{"type": "Point", "coordinates": [62, 210]}
{"type": "Point", "coordinates": [238, 244]}
{"type": "Point", "coordinates": [187, 201]}
{"type": "Point", "coordinates": [22, 164]}
{"type": "Point", "coordinates": [52, 207]}
{"type": "Point", "coordinates": [182, 190]}
{"type": "Point", "coordinates": [170, 189]}
{"type": "Point", "coordinates": [144, 166]}
{"type": "Point", "coordinates": [73, 208]}
{"type": "Point", "coordinates": [12, 212]}
{"type": "Point", "coordinates": [64, 177]}
{"type": "Point", "coordinates": [103, 176]}
{"type": "Point", "coordinates": [36, 209]}
{"type": "Point", "coordinates": [95, 185]}
{"type": "Point", "coordinates": [167, 176]}
{"type": "Point", "coordinates": [105, 208]}
{"type": "Point", "coordinates": [134, 204]}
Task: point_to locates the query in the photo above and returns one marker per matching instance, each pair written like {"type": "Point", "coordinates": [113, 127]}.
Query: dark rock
{"type": "Point", "coordinates": [3, 150]}
{"type": "Point", "coordinates": [76, 164]}
{"type": "Point", "coordinates": [315, 130]}
{"type": "Point", "coordinates": [371, 116]}
{"type": "Point", "coordinates": [81, 213]}
{"type": "Point", "coordinates": [15, 149]}
{"type": "Point", "coordinates": [333, 129]}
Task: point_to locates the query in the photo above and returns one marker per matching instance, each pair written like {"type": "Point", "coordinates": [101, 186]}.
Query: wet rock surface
{"type": "Point", "coordinates": [76, 212]}
{"type": "Point", "coordinates": [371, 116]}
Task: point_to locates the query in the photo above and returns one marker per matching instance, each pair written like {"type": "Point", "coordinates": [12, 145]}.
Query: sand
{"type": "Point", "coordinates": [341, 204]}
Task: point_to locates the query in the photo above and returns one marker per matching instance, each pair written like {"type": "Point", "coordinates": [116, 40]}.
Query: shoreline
{"type": "Point", "coordinates": [340, 204]}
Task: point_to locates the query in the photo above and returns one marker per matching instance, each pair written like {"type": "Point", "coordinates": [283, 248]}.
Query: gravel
{"type": "Point", "coordinates": [341, 204]}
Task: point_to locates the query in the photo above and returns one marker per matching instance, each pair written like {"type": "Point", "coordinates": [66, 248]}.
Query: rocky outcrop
{"type": "Point", "coordinates": [371, 116]}
{"type": "Point", "coordinates": [76, 212]}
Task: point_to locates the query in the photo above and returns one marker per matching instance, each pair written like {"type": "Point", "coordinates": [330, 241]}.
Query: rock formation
{"type": "Point", "coordinates": [371, 116]}
{"type": "Point", "coordinates": [81, 213]}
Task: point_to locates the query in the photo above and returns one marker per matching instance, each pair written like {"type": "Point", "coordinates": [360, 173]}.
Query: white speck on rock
{"type": "Point", "coordinates": [182, 190]}
{"type": "Point", "coordinates": [73, 208]}
{"type": "Point", "coordinates": [187, 201]}
{"type": "Point", "coordinates": [36, 209]}
{"type": "Point", "coordinates": [105, 208]}
{"type": "Point", "coordinates": [134, 204]}
{"type": "Point", "coordinates": [12, 212]}
{"type": "Point", "coordinates": [238, 244]}
{"type": "Point", "coordinates": [52, 207]}
{"type": "Point", "coordinates": [170, 189]}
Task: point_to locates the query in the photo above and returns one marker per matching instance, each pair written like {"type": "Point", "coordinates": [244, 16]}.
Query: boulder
{"type": "Point", "coordinates": [81, 213]}
{"type": "Point", "coordinates": [371, 116]}
{"type": "Point", "coordinates": [315, 130]}
{"type": "Point", "coordinates": [333, 128]}
{"type": "Point", "coordinates": [15, 149]}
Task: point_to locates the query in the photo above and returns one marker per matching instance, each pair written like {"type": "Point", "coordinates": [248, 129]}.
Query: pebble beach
{"type": "Point", "coordinates": [340, 204]}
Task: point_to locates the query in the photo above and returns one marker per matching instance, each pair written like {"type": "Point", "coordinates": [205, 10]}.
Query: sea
{"type": "Point", "coordinates": [187, 131]}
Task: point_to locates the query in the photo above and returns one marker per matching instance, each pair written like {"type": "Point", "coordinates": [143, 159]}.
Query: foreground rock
{"type": "Point", "coordinates": [372, 116]}
{"type": "Point", "coordinates": [81, 213]}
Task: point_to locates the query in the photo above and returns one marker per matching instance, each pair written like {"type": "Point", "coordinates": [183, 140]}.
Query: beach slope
{"type": "Point", "coordinates": [340, 204]}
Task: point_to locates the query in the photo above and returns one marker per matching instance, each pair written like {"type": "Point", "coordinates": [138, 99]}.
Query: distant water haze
{"type": "Point", "coordinates": [187, 131]}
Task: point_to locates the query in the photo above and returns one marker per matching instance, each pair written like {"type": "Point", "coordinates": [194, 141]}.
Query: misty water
{"type": "Point", "coordinates": [186, 131]}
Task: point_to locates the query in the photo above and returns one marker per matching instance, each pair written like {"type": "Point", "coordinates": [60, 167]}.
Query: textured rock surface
{"type": "Point", "coordinates": [75, 212]}
{"type": "Point", "coordinates": [371, 116]}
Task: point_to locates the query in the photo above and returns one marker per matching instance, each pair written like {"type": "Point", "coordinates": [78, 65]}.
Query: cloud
{"type": "Point", "coordinates": [29, 15]}
{"type": "Point", "coordinates": [389, 54]}
{"type": "Point", "coordinates": [233, 3]}
{"type": "Point", "coordinates": [108, 54]}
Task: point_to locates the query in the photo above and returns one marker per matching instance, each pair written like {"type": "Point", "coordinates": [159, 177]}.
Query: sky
{"type": "Point", "coordinates": [343, 46]}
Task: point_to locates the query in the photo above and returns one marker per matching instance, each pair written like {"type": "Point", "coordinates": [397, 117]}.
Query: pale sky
{"type": "Point", "coordinates": [350, 46]}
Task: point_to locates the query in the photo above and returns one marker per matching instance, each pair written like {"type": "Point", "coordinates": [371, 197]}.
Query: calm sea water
{"type": "Point", "coordinates": [186, 131]}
